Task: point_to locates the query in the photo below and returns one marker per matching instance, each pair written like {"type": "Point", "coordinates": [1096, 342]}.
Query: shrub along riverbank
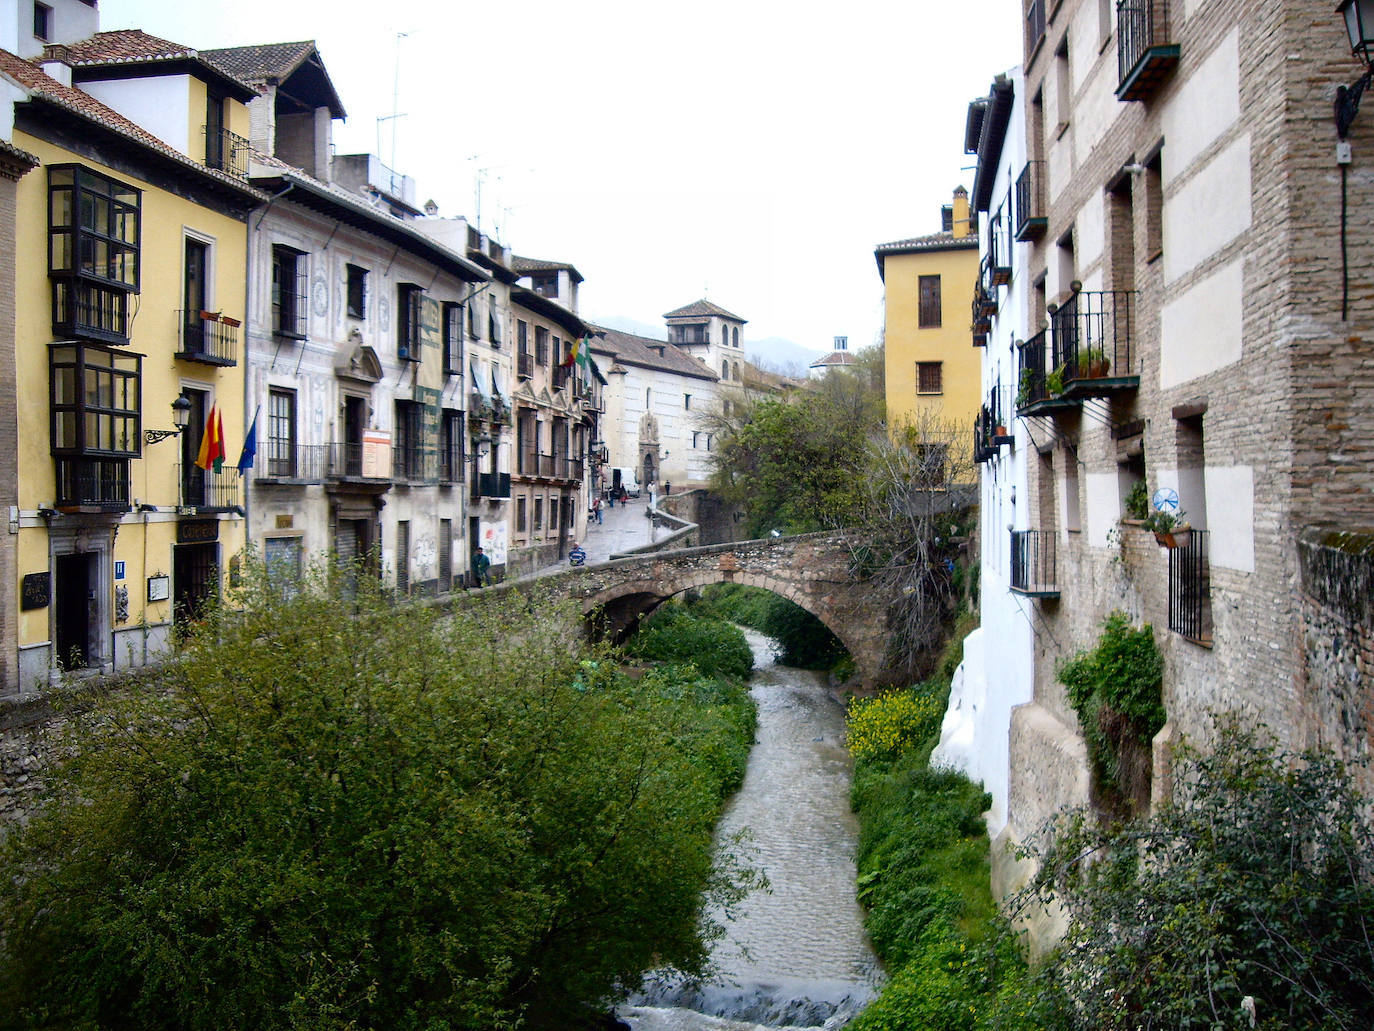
{"type": "Point", "coordinates": [803, 640]}
{"type": "Point", "coordinates": [336, 814]}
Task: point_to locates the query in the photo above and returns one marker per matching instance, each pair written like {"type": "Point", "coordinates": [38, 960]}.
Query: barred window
{"type": "Point", "coordinates": [930, 377]}
{"type": "Point", "coordinates": [929, 314]}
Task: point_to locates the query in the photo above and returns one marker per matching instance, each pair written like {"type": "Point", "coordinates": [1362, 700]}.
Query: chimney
{"type": "Point", "coordinates": [56, 63]}
{"type": "Point", "coordinates": [960, 220]}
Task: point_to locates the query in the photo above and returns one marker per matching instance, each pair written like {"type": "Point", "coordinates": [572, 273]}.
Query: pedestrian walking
{"type": "Point", "coordinates": [480, 565]}
{"type": "Point", "coordinates": [596, 509]}
{"type": "Point", "coordinates": [610, 498]}
{"type": "Point", "coordinates": [577, 557]}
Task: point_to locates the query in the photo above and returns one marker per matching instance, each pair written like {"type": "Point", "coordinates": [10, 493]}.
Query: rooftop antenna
{"type": "Point", "coordinates": [395, 105]}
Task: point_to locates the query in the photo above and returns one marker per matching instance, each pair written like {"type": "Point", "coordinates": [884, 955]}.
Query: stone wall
{"type": "Point", "coordinates": [719, 522]}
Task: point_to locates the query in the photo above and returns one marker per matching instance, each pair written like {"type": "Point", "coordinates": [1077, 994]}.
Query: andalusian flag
{"type": "Point", "coordinates": [212, 442]}
{"type": "Point", "coordinates": [584, 354]}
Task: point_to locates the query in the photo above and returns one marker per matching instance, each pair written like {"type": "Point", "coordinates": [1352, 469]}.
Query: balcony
{"type": "Point", "coordinates": [287, 463]}
{"type": "Point", "coordinates": [1144, 57]}
{"type": "Point", "coordinates": [226, 151]}
{"type": "Point", "coordinates": [90, 310]}
{"type": "Point", "coordinates": [358, 461]}
{"type": "Point", "coordinates": [1031, 217]}
{"type": "Point", "coordinates": [93, 484]}
{"type": "Point", "coordinates": [1040, 387]}
{"type": "Point", "coordinates": [208, 337]}
{"type": "Point", "coordinates": [524, 365]}
{"type": "Point", "coordinates": [495, 486]}
{"type": "Point", "coordinates": [1190, 590]}
{"type": "Point", "coordinates": [451, 465]}
{"type": "Point", "coordinates": [999, 252]}
{"type": "Point", "coordinates": [207, 490]}
{"type": "Point", "coordinates": [1033, 571]}
{"type": "Point", "coordinates": [411, 464]}
{"type": "Point", "coordinates": [561, 375]}
{"type": "Point", "coordinates": [983, 451]}
{"type": "Point", "coordinates": [1094, 346]}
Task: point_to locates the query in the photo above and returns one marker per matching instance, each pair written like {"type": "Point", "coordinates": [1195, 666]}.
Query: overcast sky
{"type": "Point", "coordinates": [752, 152]}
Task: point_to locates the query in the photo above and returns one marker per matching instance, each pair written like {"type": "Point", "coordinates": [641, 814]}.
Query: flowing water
{"type": "Point", "coordinates": [797, 956]}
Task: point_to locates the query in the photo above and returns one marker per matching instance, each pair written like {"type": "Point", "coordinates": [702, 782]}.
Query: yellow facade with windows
{"type": "Point", "coordinates": [932, 371]}
{"type": "Point", "coordinates": [130, 292]}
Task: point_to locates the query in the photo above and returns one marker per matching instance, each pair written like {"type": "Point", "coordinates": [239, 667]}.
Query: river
{"type": "Point", "coordinates": [796, 956]}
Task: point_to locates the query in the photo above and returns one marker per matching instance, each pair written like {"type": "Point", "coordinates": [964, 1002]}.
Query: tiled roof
{"type": "Point", "coordinates": [833, 358]}
{"type": "Point", "coordinates": [263, 61]}
{"type": "Point", "coordinates": [703, 307]}
{"type": "Point", "coordinates": [629, 349]}
{"type": "Point", "coordinates": [933, 242]}
{"type": "Point", "coordinates": [524, 266]}
{"type": "Point", "coordinates": [275, 63]}
{"type": "Point", "coordinates": [43, 86]}
{"type": "Point", "coordinates": [125, 45]}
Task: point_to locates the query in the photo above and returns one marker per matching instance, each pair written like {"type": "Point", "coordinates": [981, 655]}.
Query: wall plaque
{"type": "Point", "coordinates": [34, 591]}
{"type": "Point", "coordinates": [159, 587]}
{"type": "Point", "coordinates": [198, 532]}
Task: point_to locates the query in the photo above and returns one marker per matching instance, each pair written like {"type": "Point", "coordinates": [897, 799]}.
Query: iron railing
{"type": "Point", "coordinates": [491, 485]}
{"type": "Point", "coordinates": [1033, 569]}
{"type": "Point", "coordinates": [414, 464]}
{"type": "Point", "coordinates": [346, 461]}
{"type": "Point", "coordinates": [283, 460]}
{"type": "Point", "coordinates": [90, 310]}
{"type": "Point", "coordinates": [524, 365]}
{"type": "Point", "coordinates": [205, 488]}
{"type": "Point", "coordinates": [1144, 55]}
{"type": "Point", "coordinates": [999, 251]}
{"type": "Point", "coordinates": [1031, 373]}
{"type": "Point", "coordinates": [95, 482]}
{"type": "Point", "coordinates": [226, 151]}
{"type": "Point", "coordinates": [208, 337]}
{"type": "Point", "coordinates": [1094, 336]}
{"type": "Point", "coordinates": [561, 375]}
{"type": "Point", "coordinates": [1030, 201]}
{"type": "Point", "coordinates": [1190, 589]}
{"type": "Point", "coordinates": [451, 462]}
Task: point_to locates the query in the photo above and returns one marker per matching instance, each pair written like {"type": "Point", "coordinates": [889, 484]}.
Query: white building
{"type": "Point", "coordinates": [709, 333]}
{"type": "Point", "coordinates": [1016, 564]}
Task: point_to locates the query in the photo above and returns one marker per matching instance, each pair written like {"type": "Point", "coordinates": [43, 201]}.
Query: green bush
{"type": "Point", "coordinates": [1117, 691]}
{"type": "Point", "coordinates": [674, 634]}
{"type": "Point", "coordinates": [333, 815]}
{"type": "Point", "coordinates": [803, 640]}
{"type": "Point", "coordinates": [1255, 883]}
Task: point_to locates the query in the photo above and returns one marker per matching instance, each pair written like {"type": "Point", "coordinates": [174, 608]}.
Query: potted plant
{"type": "Point", "coordinates": [1169, 528]}
{"type": "Point", "coordinates": [1093, 363]}
{"type": "Point", "coordinates": [1023, 391]}
{"type": "Point", "coordinates": [1054, 382]}
{"type": "Point", "coordinates": [1138, 501]}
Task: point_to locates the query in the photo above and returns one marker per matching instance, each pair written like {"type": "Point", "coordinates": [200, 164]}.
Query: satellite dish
{"type": "Point", "coordinates": [1164, 500]}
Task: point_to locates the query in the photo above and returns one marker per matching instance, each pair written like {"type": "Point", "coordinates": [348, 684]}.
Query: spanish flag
{"type": "Point", "coordinates": [212, 442]}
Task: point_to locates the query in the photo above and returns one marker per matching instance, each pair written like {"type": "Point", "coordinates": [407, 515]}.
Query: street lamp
{"type": "Point", "coordinates": [483, 446]}
{"type": "Point", "coordinates": [1359, 26]}
{"type": "Point", "coordinates": [181, 415]}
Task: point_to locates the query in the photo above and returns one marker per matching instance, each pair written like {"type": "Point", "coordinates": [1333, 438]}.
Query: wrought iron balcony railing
{"type": "Point", "coordinates": [357, 461]}
{"type": "Point", "coordinates": [1031, 216]}
{"type": "Point", "coordinates": [414, 464]}
{"type": "Point", "coordinates": [1040, 386]}
{"type": "Point", "coordinates": [1033, 570]}
{"type": "Point", "coordinates": [98, 483]}
{"type": "Point", "coordinates": [1094, 346]}
{"type": "Point", "coordinates": [226, 151]}
{"type": "Point", "coordinates": [208, 337]}
{"type": "Point", "coordinates": [1190, 589]}
{"type": "Point", "coordinates": [1144, 56]}
{"type": "Point", "coordinates": [205, 488]}
{"type": "Point", "coordinates": [524, 365]}
{"type": "Point", "coordinates": [282, 460]}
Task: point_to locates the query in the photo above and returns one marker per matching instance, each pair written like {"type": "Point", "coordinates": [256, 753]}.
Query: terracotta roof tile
{"type": "Point", "coordinates": [630, 349]}
{"type": "Point", "coordinates": [701, 308]}
{"type": "Point", "coordinates": [262, 61]}
{"type": "Point", "coordinates": [524, 266]}
{"type": "Point", "coordinates": [935, 241]}
{"type": "Point", "coordinates": [39, 84]}
{"type": "Point", "coordinates": [125, 45]}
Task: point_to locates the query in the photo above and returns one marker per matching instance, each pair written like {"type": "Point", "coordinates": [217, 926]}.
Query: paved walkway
{"type": "Point", "coordinates": [622, 528]}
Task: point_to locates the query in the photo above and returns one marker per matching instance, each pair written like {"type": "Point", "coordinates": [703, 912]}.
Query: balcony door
{"type": "Point", "coordinates": [195, 297]}
{"type": "Point", "coordinates": [192, 475]}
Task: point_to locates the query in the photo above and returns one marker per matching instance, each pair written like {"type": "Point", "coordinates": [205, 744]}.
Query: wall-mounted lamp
{"type": "Point", "coordinates": [1359, 26]}
{"type": "Point", "coordinates": [483, 444]}
{"type": "Point", "coordinates": [181, 415]}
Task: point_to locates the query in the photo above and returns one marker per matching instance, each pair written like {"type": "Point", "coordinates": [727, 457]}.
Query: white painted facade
{"type": "Point", "coordinates": [68, 21]}
{"type": "Point", "coordinates": [997, 673]}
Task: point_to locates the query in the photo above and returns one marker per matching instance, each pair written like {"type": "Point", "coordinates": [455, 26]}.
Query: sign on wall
{"type": "Point", "coordinates": [376, 454]}
{"type": "Point", "coordinates": [34, 591]}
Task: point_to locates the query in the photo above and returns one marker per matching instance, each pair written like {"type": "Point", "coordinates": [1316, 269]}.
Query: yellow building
{"type": "Point", "coordinates": [931, 369]}
{"type": "Point", "coordinates": [130, 245]}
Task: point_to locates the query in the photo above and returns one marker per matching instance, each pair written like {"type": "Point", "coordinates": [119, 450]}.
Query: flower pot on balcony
{"type": "Point", "coordinates": [1179, 537]}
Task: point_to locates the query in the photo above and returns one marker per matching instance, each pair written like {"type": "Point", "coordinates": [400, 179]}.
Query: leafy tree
{"type": "Point", "coordinates": [331, 814]}
{"type": "Point", "coordinates": [1246, 902]}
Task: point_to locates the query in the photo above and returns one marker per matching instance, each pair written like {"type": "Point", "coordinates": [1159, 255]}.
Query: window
{"type": "Point", "coordinates": [521, 516]}
{"type": "Point", "coordinates": [538, 513]}
{"type": "Point", "coordinates": [93, 253]}
{"type": "Point", "coordinates": [288, 292]}
{"type": "Point", "coordinates": [1063, 87]}
{"type": "Point", "coordinates": [646, 398]}
{"type": "Point", "coordinates": [736, 335]}
{"type": "Point", "coordinates": [219, 150]}
{"type": "Point", "coordinates": [735, 372]}
{"type": "Point", "coordinates": [408, 436]}
{"type": "Point", "coordinates": [708, 442]}
{"type": "Point", "coordinates": [929, 315]}
{"type": "Point", "coordinates": [451, 446]}
{"type": "Point", "coordinates": [687, 402]}
{"type": "Point", "coordinates": [545, 284]}
{"type": "Point", "coordinates": [357, 291]}
{"type": "Point", "coordinates": [282, 557]}
{"type": "Point", "coordinates": [494, 333]}
{"type": "Point", "coordinates": [1154, 208]}
{"type": "Point", "coordinates": [541, 345]}
{"type": "Point", "coordinates": [472, 318]}
{"type": "Point", "coordinates": [695, 439]}
{"type": "Point", "coordinates": [281, 433]}
{"type": "Point", "coordinates": [930, 377]}
{"type": "Point", "coordinates": [42, 21]}
{"type": "Point", "coordinates": [445, 554]}
{"type": "Point", "coordinates": [725, 370]}
{"type": "Point", "coordinates": [95, 405]}
{"type": "Point", "coordinates": [195, 295]}
{"type": "Point", "coordinates": [408, 302]}
{"type": "Point", "coordinates": [453, 338]}
{"type": "Point", "coordinates": [403, 556]}
{"type": "Point", "coordinates": [1072, 505]}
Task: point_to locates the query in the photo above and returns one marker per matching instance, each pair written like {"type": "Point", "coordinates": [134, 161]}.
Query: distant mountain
{"type": "Point", "coordinates": [779, 354]}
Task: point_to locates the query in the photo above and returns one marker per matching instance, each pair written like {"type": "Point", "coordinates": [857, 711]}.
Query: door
{"type": "Point", "coordinates": [194, 298]}
{"type": "Point", "coordinates": [474, 542]}
{"type": "Point", "coordinates": [74, 609]}
{"type": "Point", "coordinates": [564, 518]}
{"type": "Point", "coordinates": [355, 421]}
{"type": "Point", "coordinates": [195, 576]}
{"type": "Point", "coordinates": [192, 475]}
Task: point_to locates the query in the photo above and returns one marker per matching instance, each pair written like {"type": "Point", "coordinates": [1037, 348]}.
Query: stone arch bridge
{"type": "Point", "coordinates": [810, 570]}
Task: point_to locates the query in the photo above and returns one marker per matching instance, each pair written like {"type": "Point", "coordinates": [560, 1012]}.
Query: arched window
{"type": "Point", "coordinates": [724, 336]}
{"type": "Point", "coordinates": [736, 336]}
{"type": "Point", "coordinates": [736, 372]}
{"type": "Point", "coordinates": [724, 370]}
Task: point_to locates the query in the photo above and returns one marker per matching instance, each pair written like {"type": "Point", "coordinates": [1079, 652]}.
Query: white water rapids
{"type": "Point", "coordinates": [797, 956]}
